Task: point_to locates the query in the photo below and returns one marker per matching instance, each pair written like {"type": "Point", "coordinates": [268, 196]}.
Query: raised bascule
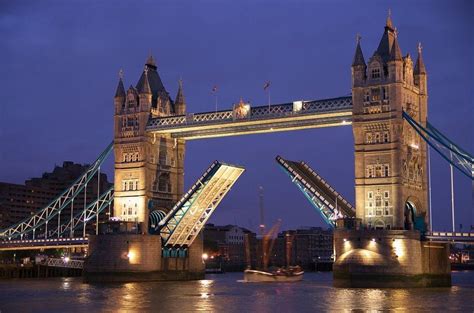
{"type": "Point", "coordinates": [153, 232]}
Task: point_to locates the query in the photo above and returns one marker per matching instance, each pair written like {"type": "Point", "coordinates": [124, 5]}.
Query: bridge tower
{"type": "Point", "coordinates": [385, 246]}
{"type": "Point", "coordinates": [391, 185]}
{"type": "Point", "coordinates": [149, 169]}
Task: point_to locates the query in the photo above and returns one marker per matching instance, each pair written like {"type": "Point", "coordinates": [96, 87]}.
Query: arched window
{"type": "Point", "coordinates": [164, 183]}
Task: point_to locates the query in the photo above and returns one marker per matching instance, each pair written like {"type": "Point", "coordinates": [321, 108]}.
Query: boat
{"type": "Point", "coordinates": [278, 274]}
{"type": "Point", "coordinates": [290, 274]}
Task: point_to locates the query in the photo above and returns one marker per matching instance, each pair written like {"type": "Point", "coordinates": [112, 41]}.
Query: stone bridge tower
{"type": "Point", "coordinates": [391, 184]}
{"type": "Point", "coordinates": [149, 170]}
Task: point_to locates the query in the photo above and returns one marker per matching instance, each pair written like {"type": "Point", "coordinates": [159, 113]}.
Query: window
{"type": "Point", "coordinates": [378, 171]}
{"type": "Point", "coordinates": [384, 93]}
{"type": "Point", "coordinates": [164, 182]}
{"type": "Point", "coordinates": [369, 171]}
{"type": "Point", "coordinates": [368, 137]}
{"type": "Point", "coordinates": [386, 137]}
{"type": "Point", "coordinates": [377, 137]}
{"type": "Point", "coordinates": [376, 73]}
{"type": "Point", "coordinates": [386, 194]}
{"type": "Point", "coordinates": [370, 195]}
{"type": "Point", "coordinates": [386, 170]}
{"type": "Point", "coordinates": [366, 96]}
{"type": "Point", "coordinates": [378, 201]}
{"type": "Point", "coordinates": [375, 94]}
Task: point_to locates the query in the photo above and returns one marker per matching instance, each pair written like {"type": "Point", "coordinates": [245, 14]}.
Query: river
{"type": "Point", "coordinates": [226, 293]}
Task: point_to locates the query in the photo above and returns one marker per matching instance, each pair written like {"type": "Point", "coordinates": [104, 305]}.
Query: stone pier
{"type": "Point", "coordinates": [137, 257]}
{"type": "Point", "coordinates": [389, 258]}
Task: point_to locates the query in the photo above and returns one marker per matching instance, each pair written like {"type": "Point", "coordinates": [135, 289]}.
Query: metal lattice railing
{"type": "Point", "coordinates": [256, 113]}
{"type": "Point", "coordinates": [42, 216]}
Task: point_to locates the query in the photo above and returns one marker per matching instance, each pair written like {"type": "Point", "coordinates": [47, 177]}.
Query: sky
{"type": "Point", "coordinates": [59, 64]}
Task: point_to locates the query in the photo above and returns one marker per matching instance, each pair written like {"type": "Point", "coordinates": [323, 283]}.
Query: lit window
{"type": "Point", "coordinates": [377, 137]}
{"type": "Point", "coordinates": [375, 94]}
{"type": "Point", "coordinates": [368, 137]}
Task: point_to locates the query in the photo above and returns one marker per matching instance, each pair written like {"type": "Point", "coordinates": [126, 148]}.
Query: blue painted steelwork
{"type": "Point", "coordinates": [42, 216]}
{"type": "Point", "coordinates": [318, 192]}
{"type": "Point", "coordinates": [154, 219]}
{"type": "Point", "coordinates": [174, 217]}
{"type": "Point", "coordinates": [94, 208]}
{"type": "Point", "coordinates": [451, 152]}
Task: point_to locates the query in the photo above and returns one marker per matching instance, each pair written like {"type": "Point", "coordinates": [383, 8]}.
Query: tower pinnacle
{"type": "Point", "coordinates": [120, 92]}
{"type": "Point", "coordinates": [420, 65]}
{"type": "Point", "coordinates": [388, 22]}
{"type": "Point", "coordinates": [358, 56]}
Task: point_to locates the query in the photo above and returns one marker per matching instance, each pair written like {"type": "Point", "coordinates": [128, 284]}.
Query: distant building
{"type": "Point", "coordinates": [227, 248]}
{"type": "Point", "coordinates": [225, 245]}
{"type": "Point", "coordinates": [307, 247]}
{"type": "Point", "coordinates": [20, 201]}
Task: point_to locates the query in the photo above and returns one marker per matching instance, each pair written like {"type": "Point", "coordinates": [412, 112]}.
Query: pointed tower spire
{"type": "Point", "coordinates": [120, 92]}
{"type": "Point", "coordinates": [420, 65]}
{"type": "Point", "coordinates": [151, 61]}
{"type": "Point", "coordinates": [145, 87]}
{"type": "Point", "coordinates": [388, 22]}
{"type": "Point", "coordinates": [180, 96]}
{"type": "Point", "coordinates": [358, 56]}
{"type": "Point", "coordinates": [179, 102]}
{"type": "Point", "coordinates": [395, 52]}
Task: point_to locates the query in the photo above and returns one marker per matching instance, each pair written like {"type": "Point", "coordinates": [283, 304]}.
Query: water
{"type": "Point", "coordinates": [225, 293]}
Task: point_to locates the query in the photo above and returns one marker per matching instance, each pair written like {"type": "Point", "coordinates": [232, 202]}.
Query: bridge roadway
{"type": "Point", "coordinates": [83, 242]}
{"type": "Point", "coordinates": [40, 244]}
{"type": "Point", "coordinates": [244, 119]}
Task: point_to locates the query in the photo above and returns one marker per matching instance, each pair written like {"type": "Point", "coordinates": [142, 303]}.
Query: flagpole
{"type": "Point", "coordinates": [216, 102]}
{"type": "Point", "coordinates": [269, 100]}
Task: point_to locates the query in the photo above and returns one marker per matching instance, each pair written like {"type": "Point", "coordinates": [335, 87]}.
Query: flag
{"type": "Point", "coordinates": [266, 86]}
{"type": "Point", "coordinates": [214, 89]}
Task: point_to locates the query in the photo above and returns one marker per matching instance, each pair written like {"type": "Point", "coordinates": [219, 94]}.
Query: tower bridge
{"type": "Point", "coordinates": [156, 226]}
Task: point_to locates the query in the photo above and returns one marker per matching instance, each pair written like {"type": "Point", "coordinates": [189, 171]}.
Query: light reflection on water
{"type": "Point", "coordinates": [226, 293]}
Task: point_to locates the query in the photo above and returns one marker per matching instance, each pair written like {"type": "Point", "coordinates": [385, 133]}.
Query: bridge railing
{"type": "Point", "coordinates": [254, 113]}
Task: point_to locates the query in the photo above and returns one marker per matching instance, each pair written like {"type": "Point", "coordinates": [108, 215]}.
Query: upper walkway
{"type": "Point", "coordinates": [244, 119]}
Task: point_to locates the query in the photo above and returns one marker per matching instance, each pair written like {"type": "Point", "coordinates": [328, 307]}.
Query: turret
{"type": "Point", "coordinates": [358, 66]}
{"type": "Point", "coordinates": [119, 98]}
{"type": "Point", "coordinates": [145, 93]}
{"type": "Point", "coordinates": [179, 102]}
{"type": "Point", "coordinates": [395, 62]}
{"type": "Point", "coordinates": [420, 72]}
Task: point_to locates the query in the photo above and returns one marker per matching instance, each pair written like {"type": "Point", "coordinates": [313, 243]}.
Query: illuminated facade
{"type": "Point", "coordinates": [149, 172]}
{"type": "Point", "coordinates": [390, 159]}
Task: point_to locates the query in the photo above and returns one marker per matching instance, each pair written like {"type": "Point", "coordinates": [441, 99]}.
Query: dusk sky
{"type": "Point", "coordinates": [59, 64]}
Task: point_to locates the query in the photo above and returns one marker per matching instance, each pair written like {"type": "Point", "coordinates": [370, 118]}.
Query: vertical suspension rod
{"type": "Point", "coordinates": [97, 210]}
{"type": "Point", "coordinates": [84, 212]}
{"type": "Point", "coordinates": [429, 188]}
{"type": "Point", "coordinates": [452, 191]}
{"type": "Point", "coordinates": [71, 233]}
